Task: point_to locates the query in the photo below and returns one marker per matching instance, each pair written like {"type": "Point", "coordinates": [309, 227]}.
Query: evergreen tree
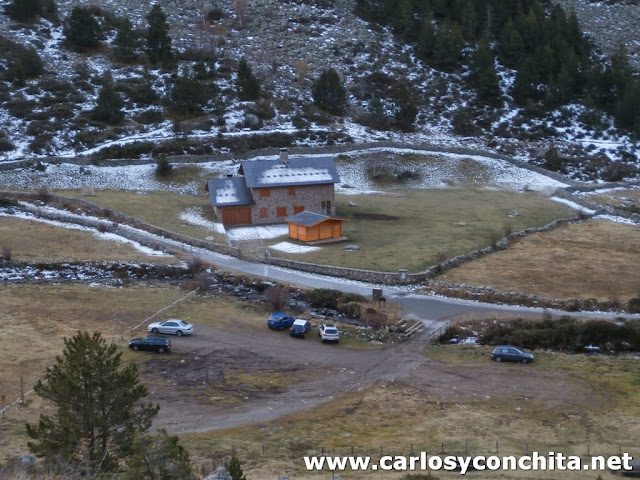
{"type": "Point", "coordinates": [553, 160]}
{"type": "Point", "coordinates": [377, 118]}
{"type": "Point", "coordinates": [27, 65]}
{"type": "Point", "coordinates": [187, 96]}
{"type": "Point", "coordinates": [109, 106]}
{"type": "Point", "coordinates": [469, 20]}
{"type": "Point", "coordinates": [426, 38]}
{"type": "Point", "coordinates": [511, 45]}
{"type": "Point", "coordinates": [447, 48]}
{"type": "Point", "coordinates": [23, 10]}
{"type": "Point", "coordinates": [234, 468]}
{"type": "Point", "coordinates": [99, 407]}
{"type": "Point", "coordinates": [406, 110]}
{"type": "Point", "coordinates": [126, 42]}
{"type": "Point", "coordinates": [159, 456]}
{"type": "Point", "coordinates": [248, 83]}
{"type": "Point", "coordinates": [483, 75]}
{"type": "Point", "coordinates": [627, 114]}
{"type": "Point", "coordinates": [328, 92]}
{"type": "Point", "coordinates": [163, 167]}
{"type": "Point", "coordinates": [82, 29]}
{"type": "Point", "coordinates": [158, 39]}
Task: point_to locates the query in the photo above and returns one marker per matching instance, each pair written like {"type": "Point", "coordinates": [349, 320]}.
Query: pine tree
{"type": "Point", "coordinates": [126, 42]}
{"type": "Point", "coordinates": [328, 92]}
{"type": "Point", "coordinates": [27, 65]}
{"type": "Point", "coordinates": [187, 96]}
{"type": "Point", "coordinates": [23, 10]}
{"type": "Point", "coordinates": [406, 110]}
{"type": "Point", "coordinates": [447, 48]}
{"type": "Point", "coordinates": [158, 456]}
{"type": "Point", "coordinates": [82, 29]}
{"type": "Point", "coordinates": [248, 83]}
{"type": "Point", "coordinates": [377, 118]}
{"type": "Point", "coordinates": [483, 75]}
{"type": "Point", "coordinates": [158, 39]}
{"type": "Point", "coordinates": [234, 468]}
{"type": "Point", "coordinates": [99, 407]}
{"type": "Point", "coordinates": [109, 106]}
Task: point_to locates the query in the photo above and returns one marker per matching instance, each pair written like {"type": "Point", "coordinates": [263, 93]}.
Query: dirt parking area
{"type": "Point", "coordinates": [219, 379]}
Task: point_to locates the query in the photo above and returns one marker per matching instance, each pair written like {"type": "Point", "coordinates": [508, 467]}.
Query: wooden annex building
{"type": "Point", "coordinates": [313, 227]}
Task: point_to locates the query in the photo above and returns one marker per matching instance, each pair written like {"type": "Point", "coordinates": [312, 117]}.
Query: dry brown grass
{"type": "Point", "coordinates": [593, 259]}
{"type": "Point", "coordinates": [401, 419]}
{"type": "Point", "coordinates": [32, 241]}
{"type": "Point", "coordinates": [162, 209]}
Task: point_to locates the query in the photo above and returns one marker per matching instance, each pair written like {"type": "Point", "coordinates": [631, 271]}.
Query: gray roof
{"type": "Point", "coordinates": [309, 219]}
{"type": "Point", "coordinates": [297, 171]}
{"type": "Point", "coordinates": [224, 192]}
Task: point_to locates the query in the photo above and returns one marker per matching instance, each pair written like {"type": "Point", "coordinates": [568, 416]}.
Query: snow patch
{"type": "Point", "coordinates": [262, 232]}
{"type": "Point", "coordinates": [289, 247]}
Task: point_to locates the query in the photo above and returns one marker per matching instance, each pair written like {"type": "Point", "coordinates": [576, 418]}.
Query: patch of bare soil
{"type": "Point", "coordinates": [203, 368]}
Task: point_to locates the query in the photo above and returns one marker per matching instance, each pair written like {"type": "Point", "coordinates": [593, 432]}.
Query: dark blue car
{"type": "Point", "coordinates": [280, 320]}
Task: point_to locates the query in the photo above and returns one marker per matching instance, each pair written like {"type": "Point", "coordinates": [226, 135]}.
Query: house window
{"type": "Point", "coordinates": [292, 191]}
{"type": "Point", "coordinates": [263, 213]}
{"type": "Point", "coordinates": [281, 211]}
{"type": "Point", "coordinates": [265, 192]}
{"type": "Point", "coordinates": [298, 209]}
{"type": "Point", "coordinates": [326, 207]}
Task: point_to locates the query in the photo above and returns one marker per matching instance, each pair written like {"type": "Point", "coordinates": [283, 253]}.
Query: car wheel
{"type": "Point", "coordinates": [525, 360]}
{"type": "Point", "coordinates": [179, 333]}
{"type": "Point", "coordinates": [161, 350]}
{"type": "Point", "coordinates": [498, 359]}
{"type": "Point", "coordinates": [135, 348]}
{"type": "Point", "coordinates": [154, 330]}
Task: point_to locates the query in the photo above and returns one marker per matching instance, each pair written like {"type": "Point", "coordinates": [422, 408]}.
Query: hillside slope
{"type": "Point", "coordinates": [287, 44]}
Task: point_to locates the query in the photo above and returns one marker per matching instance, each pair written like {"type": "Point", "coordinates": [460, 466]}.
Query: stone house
{"type": "Point", "coordinates": [270, 191]}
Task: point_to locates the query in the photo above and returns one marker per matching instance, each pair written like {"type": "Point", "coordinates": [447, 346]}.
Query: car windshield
{"type": "Point", "coordinates": [332, 331]}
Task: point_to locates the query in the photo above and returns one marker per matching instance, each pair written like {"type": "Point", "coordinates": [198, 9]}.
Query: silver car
{"type": "Point", "coordinates": [172, 326]}
{"type": "Point", "coordinates": [328, 333]}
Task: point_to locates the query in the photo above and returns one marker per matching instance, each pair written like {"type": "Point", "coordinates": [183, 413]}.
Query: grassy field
{"type": "Point", "coordinates": [592, 259]}
{"type": "Point", "coordinates": [427, 225]}
{"type": "Point", "coordinates": [31, 241]}
{"type": "Point", "coordinates": [162, 209]}
{"type": "Point", "coordinates": [400, 419]}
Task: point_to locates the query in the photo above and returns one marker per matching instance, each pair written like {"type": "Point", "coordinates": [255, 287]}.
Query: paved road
{"type": "Point", "coordinates": [434, 311]}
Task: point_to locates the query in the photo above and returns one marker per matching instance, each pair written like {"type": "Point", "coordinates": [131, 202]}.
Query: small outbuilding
{"type": "Point", "coordinates": [313, 227]}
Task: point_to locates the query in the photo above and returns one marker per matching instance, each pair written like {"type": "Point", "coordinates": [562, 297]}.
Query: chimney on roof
{"type": "Point", "coordinates": [284, 156]}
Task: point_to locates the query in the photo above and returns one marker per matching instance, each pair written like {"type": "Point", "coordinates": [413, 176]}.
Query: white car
{"type": "Point", "coordinates": [328, 333]}
{"type": "Point", "coordinates": [172, 326]}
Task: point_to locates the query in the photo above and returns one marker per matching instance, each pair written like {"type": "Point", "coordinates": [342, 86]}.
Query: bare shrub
{"type": "Point", "coordinates": [277, 296]}
{"type": "Point", "coordinates": [442, 256]}
{"type": "Point", "coordinates": [43, 195]}
{"type": "Point", "coordinates": [508, 229]}
{"type": "Point", "coordinates": [494, 238]}
{"type": "Point", "coordinates": [196, 266]}
{"type": "Point", "coordinates": [6, 253]}
{"type": "Point", "coordinates": [374, 319]}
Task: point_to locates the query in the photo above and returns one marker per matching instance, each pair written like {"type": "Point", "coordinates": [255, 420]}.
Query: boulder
{"type": "Point", "coordinates": [221, 473]}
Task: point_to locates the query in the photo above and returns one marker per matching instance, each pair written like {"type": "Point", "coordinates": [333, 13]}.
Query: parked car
{"type": "Point", "coordinates": [172, 326]}
{"type": "Point", "coordinates": [156, 344]}
{"type": "Point", "coordinates": [280, 320]}
{"type": "Point", "coordinates": [328, 332]}
{"type": "Point", "coordinates": [509, 353]}
{"type": "Point", "coordinates": [300, 328]}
